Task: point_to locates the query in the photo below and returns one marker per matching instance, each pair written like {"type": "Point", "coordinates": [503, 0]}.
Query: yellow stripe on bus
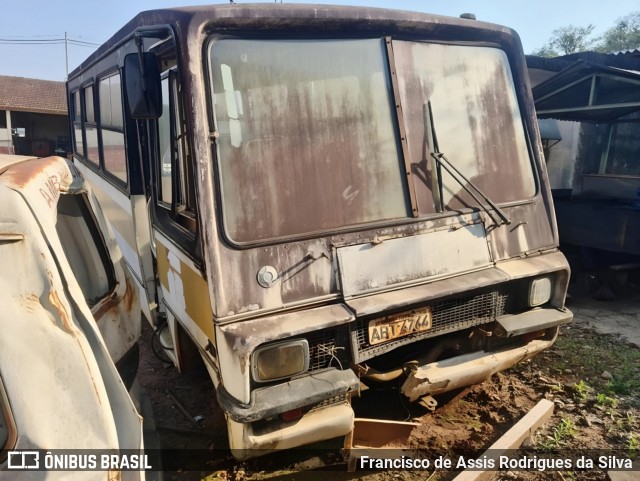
{"type": "Point", "coordinates": [194, 288]}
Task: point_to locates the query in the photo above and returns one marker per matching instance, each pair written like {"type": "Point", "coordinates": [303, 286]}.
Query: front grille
{"type": "Point", "coordinates": [341, 399]}
{"type": "Point", "coordinates": [447, 316]}
{"type": "Point", "coordinates": [328, 348]}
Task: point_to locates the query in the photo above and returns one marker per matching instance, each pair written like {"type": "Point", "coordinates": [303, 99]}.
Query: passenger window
{"type": "Point", "coordinates": [90, 130]}
{"type": "Point", "coordinates": [77, 122]}
{"type": "Point", "coordinates": [174, 171]}
{"type": "Point", "coordinates": [84, 247]}
{"type": "Point", "coordinates": [112, 127]}
{"type": "Point", "coordinates": [165, 186]}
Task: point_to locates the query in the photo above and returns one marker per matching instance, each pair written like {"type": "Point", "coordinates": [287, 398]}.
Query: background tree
{"type": "Point", "coordinates": [545, 51]}
{"type": "Point", "coordinates": [571, 39]}
{"type": "Point", "coordinates": [624, 35]}
{"type": "Point", "coordinates": [566, 40]}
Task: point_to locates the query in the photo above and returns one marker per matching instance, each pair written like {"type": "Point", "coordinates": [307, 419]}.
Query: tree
{"type": "Point", "coordinates": [545, 51]}
{"type": "Point", "coordinates": [624, 35]}
{"type": "Point", "coordinates": [566, 40]}
{"type": "Point", "coordinates": [571, 39]}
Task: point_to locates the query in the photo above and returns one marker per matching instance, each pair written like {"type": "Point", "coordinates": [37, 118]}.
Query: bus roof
{"type": "Point", "coordinates": [272, 16]}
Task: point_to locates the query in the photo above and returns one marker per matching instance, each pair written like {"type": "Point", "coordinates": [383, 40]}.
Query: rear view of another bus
{"type": "Point", "coordinates": [314, 198]}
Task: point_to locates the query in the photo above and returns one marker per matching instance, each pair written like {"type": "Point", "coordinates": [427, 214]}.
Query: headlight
{"type": "Point", "coordinates": [540, 291]}
{"type": "Point", "coordinates": [280, 360]}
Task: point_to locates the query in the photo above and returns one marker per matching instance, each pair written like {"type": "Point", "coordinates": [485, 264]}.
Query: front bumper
{"type": "Point", "coordinates": [460, 371]}
{"type": "Point", "coordinates": [270, 401]}
{"type": "Point", "coordinates": [248, 441]}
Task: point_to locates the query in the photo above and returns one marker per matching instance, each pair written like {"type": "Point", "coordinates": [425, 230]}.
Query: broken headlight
{"type": "Point", "coordinates": [280, 360]}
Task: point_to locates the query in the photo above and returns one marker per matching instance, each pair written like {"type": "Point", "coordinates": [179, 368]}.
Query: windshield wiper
{"type": "Point", "coordinates": [459, 177]}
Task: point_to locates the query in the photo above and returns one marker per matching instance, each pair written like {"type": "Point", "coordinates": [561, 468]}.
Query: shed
{"type": "Point", "coordinates": [595, 169]}
{"type": "Point", "coordinates": [33, 116]}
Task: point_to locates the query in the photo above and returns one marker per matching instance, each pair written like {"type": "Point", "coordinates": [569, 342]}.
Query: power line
{"type": "Point", "coordinates": [38, 40]}
{"type": "Point", "coordinates": [80, 42]}
{"type": "Point", "coordinates": [31, 41]}
{"type": "Point", "coordinates": [17, 41]}
{"type": "Point", "coordinates": [40, 36]}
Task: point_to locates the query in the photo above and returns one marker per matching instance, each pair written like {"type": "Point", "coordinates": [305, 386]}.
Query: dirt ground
{"type": "Point", "coordinates": [592, 378]}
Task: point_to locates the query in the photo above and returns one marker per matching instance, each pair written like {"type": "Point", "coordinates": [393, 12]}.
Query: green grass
{"type": "Point", "coordinates": [633, 446]}
{"type": "Point", "coordinates": [604, 352]}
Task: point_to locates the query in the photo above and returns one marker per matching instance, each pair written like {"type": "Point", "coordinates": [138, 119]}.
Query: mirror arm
{"type": "Point", "coordinates": [140, 48]}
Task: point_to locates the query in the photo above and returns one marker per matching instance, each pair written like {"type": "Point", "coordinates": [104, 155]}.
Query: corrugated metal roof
{"type": "Point", "coordinates": [32, 95]}
{"type": "Point", "coordinates": [635, 52]}
{"type": "Point", "coordinates": [589, 92]}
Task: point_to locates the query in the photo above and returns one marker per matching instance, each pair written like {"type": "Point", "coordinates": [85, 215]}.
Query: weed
{"type": "Point", "coordinates": [568, 476]}
{"type": "Point", "coordinates": [605, 401]}
{"type": "Point", "coordinates": [608, 405]}
{"type": "Point", "coordinates": [633, 445]}
{"type": "Point", "coordinates": [564, 431]}
{"type": "Point", "coordinates": [581, 391]}
{"type": "Point", "coordinates": [619, 385]}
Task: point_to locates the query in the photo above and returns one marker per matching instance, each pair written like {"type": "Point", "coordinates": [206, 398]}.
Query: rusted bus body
{"type": "Point", "coordinates": [307, 232]}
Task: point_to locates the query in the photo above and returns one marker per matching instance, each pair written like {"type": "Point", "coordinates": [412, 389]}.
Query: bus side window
{"type": "Point", "coordinates": [76, 112]}
{"type": "Point", "coordinates": [174, 173]}
{"type": "Point", "coordinates": [89, 126]}
{"type": "Point", "coordinates": [112, 126]}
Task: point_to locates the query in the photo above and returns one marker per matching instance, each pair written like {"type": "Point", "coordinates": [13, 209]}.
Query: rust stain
{"type": "Point", "coordinates": [129, 297]}
{"type": "Point", "coordinates": [106, 304]}
{"type": "Point", "coordinates": [114, 476]}
{"type": "Point", "coordinates": [23, 173]}
{"type": "Point", "coordinates": [95, 388]}
{"type": "Point", "coordinates": [56, 302]}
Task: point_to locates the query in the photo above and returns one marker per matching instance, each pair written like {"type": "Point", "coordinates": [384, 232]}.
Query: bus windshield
{"type": "Point", "coordinates": [309, 132]}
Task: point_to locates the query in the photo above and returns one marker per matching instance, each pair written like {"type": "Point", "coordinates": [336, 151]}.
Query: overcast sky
{"type": "Point", "coordinates": [95, 21]}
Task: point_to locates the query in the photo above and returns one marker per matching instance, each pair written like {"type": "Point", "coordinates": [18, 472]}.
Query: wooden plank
{"type": "Point", "coordinates": [512, 439]}
{"type": "Point", "coordinates": [625, 475]}
{"type": "Point", "coordinates": [369, 435]}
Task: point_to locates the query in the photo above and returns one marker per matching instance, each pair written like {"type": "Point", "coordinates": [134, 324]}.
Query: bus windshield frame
{"type": "Point", "coordinates": [316, 136]}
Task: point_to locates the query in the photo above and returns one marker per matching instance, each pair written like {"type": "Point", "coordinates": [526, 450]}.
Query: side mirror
{"type": "Point", "coordinates": [142, 84]}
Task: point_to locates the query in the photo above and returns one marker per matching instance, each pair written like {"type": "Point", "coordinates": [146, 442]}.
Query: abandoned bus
{"type": "Point", "coordinates": [316, 198]}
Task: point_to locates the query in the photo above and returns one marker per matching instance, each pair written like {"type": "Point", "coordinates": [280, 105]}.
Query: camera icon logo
{"type": "Point", "coordinates": [24, 460]}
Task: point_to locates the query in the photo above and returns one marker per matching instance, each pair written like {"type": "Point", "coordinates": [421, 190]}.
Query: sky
{"type": "Point", "coordinates": [94, 22]}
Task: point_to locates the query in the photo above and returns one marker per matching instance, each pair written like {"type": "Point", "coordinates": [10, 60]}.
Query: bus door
{"type": "Point", "coordinates": [182, 289]}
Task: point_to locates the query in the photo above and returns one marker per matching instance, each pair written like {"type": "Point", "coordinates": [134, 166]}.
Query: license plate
{"type": "Point", "coordinates": [383, 330]}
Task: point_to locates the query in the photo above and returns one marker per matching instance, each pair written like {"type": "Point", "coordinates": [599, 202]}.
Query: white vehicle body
{"type": "Point", "coordinates": [59, 386]}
